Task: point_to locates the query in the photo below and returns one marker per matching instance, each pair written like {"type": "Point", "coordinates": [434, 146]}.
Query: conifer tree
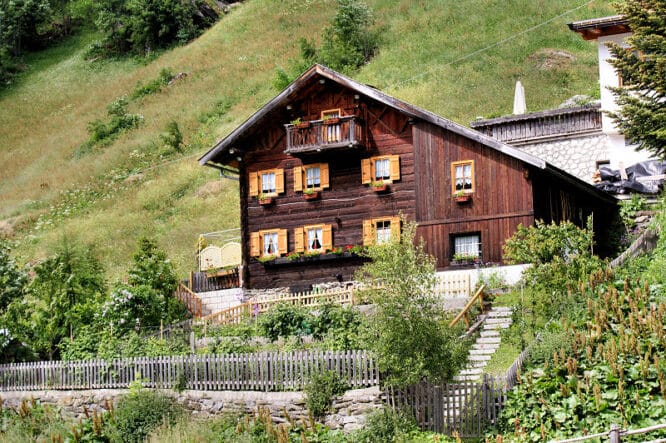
{"type": "Point", "coordinates": [642, 67]}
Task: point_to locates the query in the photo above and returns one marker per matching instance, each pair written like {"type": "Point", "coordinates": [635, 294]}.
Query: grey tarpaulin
{"type": "Point", "coordinates": [645, 177]}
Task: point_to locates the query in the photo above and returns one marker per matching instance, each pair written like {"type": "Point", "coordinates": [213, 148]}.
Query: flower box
{"type": "Point", "coordinates": [380, 187]}
{"type": "Point", "coordinates": [464, 198]}
{"type": "Point", "coordinates": [266, 201]}
{"type": "Point", "coordinates": [331, 121]}
{"type": "Point", "coordinates": [312, 195]}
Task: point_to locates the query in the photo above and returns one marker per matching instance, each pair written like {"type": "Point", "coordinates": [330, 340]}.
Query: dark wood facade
{"type": "Point", "coordinates": [510, 187]}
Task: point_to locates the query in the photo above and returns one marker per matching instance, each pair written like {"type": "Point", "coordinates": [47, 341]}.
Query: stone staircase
{"type": "Point", "coordinates": [489, 339]}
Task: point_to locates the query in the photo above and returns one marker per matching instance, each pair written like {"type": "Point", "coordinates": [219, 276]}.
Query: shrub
{"type": "Point", "coordinates": [321, 389]}
{"type": "Point", "coordinates": [153, 86]}
{"type": "Point", "coordinates": [386, 425]}
{"type": "Point", "coordinates": [137, 414]}
{"type": "Point", "coordinates": [285, 321]}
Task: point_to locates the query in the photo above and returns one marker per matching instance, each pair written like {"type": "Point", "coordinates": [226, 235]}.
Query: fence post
{"type": "Point", "coordinates": [614, 434]}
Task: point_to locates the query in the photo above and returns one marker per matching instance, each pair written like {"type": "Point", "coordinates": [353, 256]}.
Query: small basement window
{"type": "Point", "coordinates": [268, 243]}
{"type": "Point", "coordinates": [314, 177]}
{"type": "Point", "coordinates": [269, 182]}
{"type": "Point", "coordinates": [380, 230]}
{"type": "Point", "coordinates": [462, 176]}
{"type": "Point", "coordinates": [313, 238]}
{"type": "Point", "coordinates": [466, 246]}
{"type": "Point", "coordinates": [384, 169]}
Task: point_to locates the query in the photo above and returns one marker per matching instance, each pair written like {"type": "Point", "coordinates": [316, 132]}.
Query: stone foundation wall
{"type": "Point", "coordinates": [577, 156]}
{"type": "Point", "coordinates": [348, 412]}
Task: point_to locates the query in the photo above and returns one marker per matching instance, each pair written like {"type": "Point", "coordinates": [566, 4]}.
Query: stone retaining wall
{"type": "Point", "coordinates": [349, 410]}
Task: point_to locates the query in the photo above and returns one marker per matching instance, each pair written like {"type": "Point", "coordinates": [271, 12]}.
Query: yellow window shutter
{"type": "Point", "coordinates": [298, 179]}
{"type": "Point", "coordinates": [394, 160]}
{"type": "Point", "coordinates": [298, 240]}
{"type": "Point", "coordinates": [366, 171]}
{"type": "Point", "coordinates": [327, 237]}
{"type": "Point", "coordinates": [253, 179]}
{"type": "Point", "coordinates": [323, 175]}
{"type": "Point", "coordinates": [255, 244]}
{"type": "Point", "coordinates": [279, 181]}
{"type": "Point", "coordinates": [395, 228]}
{"type": "Point", "coordinates": [282, 242]}
{"type": "Point", "coordinates": [368, 233]}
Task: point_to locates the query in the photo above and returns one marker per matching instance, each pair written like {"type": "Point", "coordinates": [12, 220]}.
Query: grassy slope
{"type": "Point", "coordinates": [43, 117]}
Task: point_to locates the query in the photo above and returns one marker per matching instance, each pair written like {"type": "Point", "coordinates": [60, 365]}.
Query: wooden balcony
{"type": "Point", "coordinates": [322, 135]}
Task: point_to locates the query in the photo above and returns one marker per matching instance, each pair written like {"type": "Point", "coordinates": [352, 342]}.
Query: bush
{"type": "Point", "coordinates": [386, 425]}
{"type": "Point", "coordinates": [285, 321]}
{"type": "Point", "coordinates": [137, 414]}
{"type": "Point", "coordinates": [153, 86]}
{"type": "Point", "coordinates": [321, 389]}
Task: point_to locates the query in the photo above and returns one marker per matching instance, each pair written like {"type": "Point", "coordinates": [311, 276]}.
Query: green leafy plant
{"type": "Point", "coordinates": [285, 321]}
{"type": "Point", "coordinates": [153, 86]}
{"type": "Point", "coordinates": [321, 389]}
{"type": "Point", "coordinates": [142, 411]}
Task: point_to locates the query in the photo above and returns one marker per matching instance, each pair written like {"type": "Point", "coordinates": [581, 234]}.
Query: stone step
{"type": "Point", "coordinates": [487, 340]}
{"type": "Point", "coordinates": [495, 320]}
{"type": "Point", "coordinates": [479, 357]}
{"type": "Point", "coordinates": [482, 351]}
{"type": "Point", "coordinates": [492, 326]}
{"type": "Point", "coordinates": [476, 364]}
{"type": "Point", "coordinates": [490, 333]}
{"type": "Point", "coordinates": [486, 346]}
{"type": "Point", "coordinates": [473, 371]}
{"type": "Point", "coordinates": [502, 309]}
{"type": "Point", "coordinates": [466, 377]}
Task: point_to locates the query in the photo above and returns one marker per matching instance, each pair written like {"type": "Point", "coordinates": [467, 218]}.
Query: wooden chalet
{"type": "Point", "coordinates": [331, 163]}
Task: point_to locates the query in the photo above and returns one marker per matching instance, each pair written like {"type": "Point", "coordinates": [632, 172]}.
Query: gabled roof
{"type": "Point", "coordinates": [228, 147]}
{"type": "Point", "coordinates": [592, 29]}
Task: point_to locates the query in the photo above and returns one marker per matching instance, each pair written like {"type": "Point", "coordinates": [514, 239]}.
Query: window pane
{"type": "Point", "coordinates": [268, 182]}
{"type": "Point", "coordinates": [382, 169]}
{"type": "Point", "coordinates": [383, 231]}
{"type": "Point", "coordinates": [270, 243]}
{"type": "Point", "coordinates": [312, 177]}
{"type": "Point", "coordinates": [468, 245]}
{"type": "Point", "coordinates": [314, 239]}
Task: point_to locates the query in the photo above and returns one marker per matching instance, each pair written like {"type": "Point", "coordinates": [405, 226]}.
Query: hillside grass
{"type": "Point", "coordinates": [118, 192]}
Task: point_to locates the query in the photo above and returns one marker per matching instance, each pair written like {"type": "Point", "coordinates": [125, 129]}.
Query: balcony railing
{"type": "Point", "coordinates": [319, 135]}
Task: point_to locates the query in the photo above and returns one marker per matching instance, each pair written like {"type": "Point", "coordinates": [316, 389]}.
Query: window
{"type": "Point", "coordinates": [384, 168]}
{"type": "Point", "coordinates": [267, 243]}
{"type": "Point", "coordinates": [313, 177]}
{"type": "Point", "coordinates": [331, 132]}
{"type": "Point", "coordinates": [313, 238]}
{"type": "Point", "coordinates": [466, 246]}
{"type": "Point", "coordinates": [462, 176]}
{"type": "Point", "coordinates": [380, 230]}
{"type": "Point", "coordinates": [269, 182]}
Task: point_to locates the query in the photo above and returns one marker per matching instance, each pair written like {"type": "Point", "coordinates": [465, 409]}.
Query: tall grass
{"type": "Point", "coordinates": [43, 117]}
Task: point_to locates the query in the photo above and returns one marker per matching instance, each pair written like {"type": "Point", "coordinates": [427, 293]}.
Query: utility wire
{"type": "Point", "coordinates": [498, 43]}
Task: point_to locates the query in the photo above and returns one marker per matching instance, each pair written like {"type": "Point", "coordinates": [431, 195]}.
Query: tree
{"type": "Point", "coordinates": [642, 66]}
{"type": "Point", "coordinates": [407, 330]}
{"type": "Point", "coordinates": [61, 298]}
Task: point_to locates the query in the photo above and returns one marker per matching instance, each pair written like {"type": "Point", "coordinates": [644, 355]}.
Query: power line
{"type": "Point", "coordinates": [498, 43]}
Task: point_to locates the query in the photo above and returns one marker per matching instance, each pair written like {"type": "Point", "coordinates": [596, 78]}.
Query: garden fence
{"type": "Point", "coordinates": [266, 371]}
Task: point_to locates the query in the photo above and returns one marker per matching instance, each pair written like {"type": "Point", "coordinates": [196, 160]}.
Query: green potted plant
{"type": "Point", "coordinates": [462, 197]}
{"type": "Point", "coordinates": [299, 123]}
{"type": "Point", "coordinates": [379, 186]}
{"type": "Point", "coordinates": [264, 199]}
{"type": "Point", "coordinates": [310, 194]}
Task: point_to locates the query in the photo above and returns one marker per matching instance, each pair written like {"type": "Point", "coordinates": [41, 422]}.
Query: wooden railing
{"type": "Point", "coordinates": [478, 296]}
{"type": "Point", "coordinates": [316, 135]}
{"type": "Point", "coordinates": [237, 314]}
{"type": "Point", "coordinates": [615, 434]}
{"type": "Point", "coordinates": [205, 282]}
{"type": "Point", "coordinates": [190, 299]}
{"type": "Point", "coordinates": [540, 125]}
{"type": "Point", "coordinates": [266, 371]}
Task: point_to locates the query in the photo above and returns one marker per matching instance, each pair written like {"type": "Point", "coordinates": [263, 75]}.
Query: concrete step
{"type": "Point", "coordinates": [492, 347]}
{"type": "Point", "coordinates": [482, 351]}
{"type": "Point", "coordinates": [473, 371]}
{"type": "Point", "coordinates": [476, 364]}
{"type": "Point", "coordinates": [502, 309]}
{"type": "Point", "coordinates": [496, 320]}
{"type": "Point", "coordinates": [490, 333]}
{"type": "Point", "coordinates": [466, 377]}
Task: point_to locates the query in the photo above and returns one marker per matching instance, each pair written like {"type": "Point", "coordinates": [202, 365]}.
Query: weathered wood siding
{"type": "Point", "coordinates": [502, 197]}
{"type": "Point", "coordinates": [344, 205]}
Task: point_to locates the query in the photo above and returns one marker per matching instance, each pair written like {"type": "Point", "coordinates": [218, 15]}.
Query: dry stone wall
{"type": "Point", "coordinates": [349, 411]}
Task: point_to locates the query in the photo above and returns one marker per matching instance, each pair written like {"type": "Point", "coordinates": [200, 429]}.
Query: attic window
{"type": "Point", "coordinates": [384, 169]}
{"type": "Point", "coordinates": [462, 176]}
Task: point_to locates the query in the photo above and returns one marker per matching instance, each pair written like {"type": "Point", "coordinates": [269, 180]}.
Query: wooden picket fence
{"type": "Point", "coordinates": [465, 408]}
{"type": "Point", "coordinates": [266, 371]}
